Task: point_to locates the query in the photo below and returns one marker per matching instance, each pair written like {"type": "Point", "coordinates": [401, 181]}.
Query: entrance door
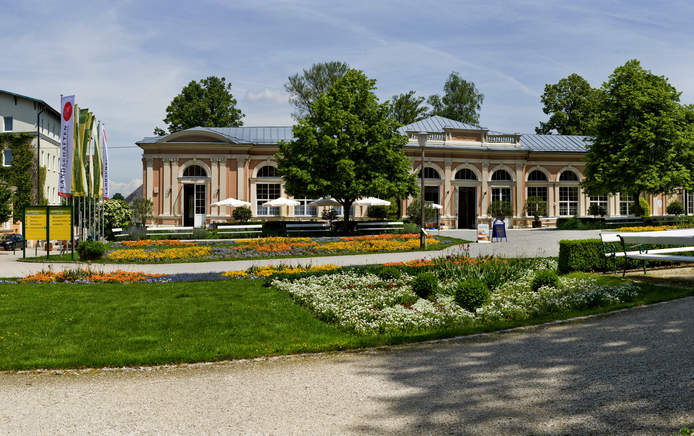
{"type": "Point", "coordinates": [188, 205]}
{"type": "Point", "coordinates": [467, 207]}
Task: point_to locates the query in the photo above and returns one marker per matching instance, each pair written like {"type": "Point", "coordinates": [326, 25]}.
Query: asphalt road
{"type": "Point", "coordinates": [626, 373]}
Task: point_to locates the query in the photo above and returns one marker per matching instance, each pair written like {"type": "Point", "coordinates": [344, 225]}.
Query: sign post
{"type": "Point", "coordinates": [34, 225]}
{"type": "Point", "coordinates": [41, 223]}
{"type": "Point", "coordinates": [60, 223]}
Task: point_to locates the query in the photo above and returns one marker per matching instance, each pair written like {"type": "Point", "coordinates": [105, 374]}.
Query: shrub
{"type": "Point", "coordinates": [274, 228]}
{"type": "Point", "coordinates": [414, 210]}
{"type": "Point", "coordinates": [596, 210]}
{"type": "Point", "coordinates": [425, 285]}
{"type": "Point", "coordinates": [389, 273]}
{"type": "Point", "coordinates": [408, 228]}
{"type": "Point", "coordinates": [644, 208]}
{"type": "Point", "coordinates": [91, 250]}
{"type": "Point", "coordinates": [675, 208]}
{"type": "Point", "coordinates": [581, 255]}
{"type": "Point", "coordinates": [242, 214]}
{"type": "Point", "coordinates": [471, 294]}
{"type": "Point", "coordinates": [500, 209]}
{"type": "Point", "coordinates": [545, 277]}
{"type": "Point", "coordinates": [378, 212]}
{"type": "Point", "coordinates": [536, 207]}
{"type": "Point", "coordinates": [329, 215]}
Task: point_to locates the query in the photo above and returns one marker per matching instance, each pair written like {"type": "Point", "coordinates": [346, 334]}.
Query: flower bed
{"type": "Point", "coordinates": [645, 228]}
{"type": "Point", "coordinates": [271, 270]}
{"type": "Point", "coordinates": [167, 250]}
{"type": "Point", "coordinates": [364, 303]}
{"type": "Point", "coordinates": [88, 276]}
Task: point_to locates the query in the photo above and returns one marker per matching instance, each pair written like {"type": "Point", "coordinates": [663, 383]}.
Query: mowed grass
{"type": "Point", "coordinates": [72, 326]}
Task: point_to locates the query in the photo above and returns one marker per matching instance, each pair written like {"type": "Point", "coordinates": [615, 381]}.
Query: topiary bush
{"type": "Point", "coordinates": [644, 208]}
{"type": "Point", "coordinates": [471, 294]}
{"type": "Point", "coordinates": [242, 214]}
{"type": "Point", "coordinates": [581, 255]}
{"type": "Point", "coordinates": [545, 277]}
{"type": "Point", "coordinates": [389, 273]}
{"type": "Point", "coordinates": [91, 250]}
{"type": "Point", "coordinates": [675, 208]}
{"type": "Point", "coordinates": [500, 209]}
{"type": "Point", "coordinates": [425, 285]}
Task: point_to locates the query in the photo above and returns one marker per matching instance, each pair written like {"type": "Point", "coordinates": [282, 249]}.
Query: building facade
{"type": "Point", "coordinates": [465, 169]}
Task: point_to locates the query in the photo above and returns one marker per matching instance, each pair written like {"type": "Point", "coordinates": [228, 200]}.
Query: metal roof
{"type": "Point", "coordinates": [560, 143]}
{"type": "Point", "coordinates": [14, 94]}
{"type": "Point", "coordinates": [436, 124]}
{"type": "Point", "coordinates": [240, 135]}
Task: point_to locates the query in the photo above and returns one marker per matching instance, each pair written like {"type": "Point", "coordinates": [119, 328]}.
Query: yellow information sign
{"type": "Point", "coordinates": [60, 223]}
{"type": "Point", "coordinates": [35, 225]}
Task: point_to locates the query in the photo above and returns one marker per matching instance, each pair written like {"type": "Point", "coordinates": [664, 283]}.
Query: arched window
{"type": "Point", "coordinates": [194, 171]}
{"type": "Point", "coordinates": [568, 176]}
{"type": "Point", "coordinates": [501, 176]}
{"type": "Point", "coordinates": [267, 171]}
{"type": "Point", "coordinates": [465, 174]}
{"type": "Point", "coordinates": [430, 173]}
{"type": "Point", "coordinates": [537, 176]}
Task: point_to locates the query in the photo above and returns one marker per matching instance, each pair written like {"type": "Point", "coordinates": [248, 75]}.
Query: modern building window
{"type": "Point", "coordinates": [265, 192]}
{"type": "Point", "coordinates": [626, 204]}
{"type": "Point", "coordinates": [501, 194]}
{"type": "Point", "coordinates": [267, 171]}
{"type": "Point", "coordinates": [537, 176]}
{"type": "Point", "coordinates": [194, 171]}
{"type": "Point", "coordinates": [599, 200]}
{"type": "Point", "coordinates": [429, 173]}
{"type": "Point", "coordinates": [501, 176]}
{"type": "Point", "coordinates": [465, 174]}
{"type": "Point", "coordinates": [304, 209]}
{"type": "Point", "coordinates": [8, 124]}
{"type": "Point", "coordinates": [431, 194]}
{"type": "Point", "coordinates": [568, 200]}
{"type": "Point", "coordinates": [568, 176]}
{"type": "Point", "coordinates": [7, 157]}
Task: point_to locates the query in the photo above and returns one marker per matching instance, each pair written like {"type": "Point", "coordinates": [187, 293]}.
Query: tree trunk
{"type": "Point", "coordinates": [346, 206]}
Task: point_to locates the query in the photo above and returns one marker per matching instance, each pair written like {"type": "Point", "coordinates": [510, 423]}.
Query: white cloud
{"type": "Point", "coordinates": [267, 94]}
{"type": "Point", "coordinates": [125, 188]}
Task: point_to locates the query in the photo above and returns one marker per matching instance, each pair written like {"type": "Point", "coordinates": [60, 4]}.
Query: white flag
{"type": "Point", "coordinates": [104, 160]}
{"type": "Point", "coordinates": [67, 145]}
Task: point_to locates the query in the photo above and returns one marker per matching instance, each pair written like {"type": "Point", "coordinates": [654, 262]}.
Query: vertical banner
{"type": "Point", "coordinates": [104, 157]}
{"type": "Point", "coordinates": [80, 156]}
{"type": "Point", "coordinates": [67, 145]}
{"type": "Point", "coordinates": [97, 192]}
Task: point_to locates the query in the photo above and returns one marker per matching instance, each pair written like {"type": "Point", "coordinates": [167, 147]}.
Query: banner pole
{"type": "Point", "coordinates": [48, 232]}
{"type": "Point", "coordinates": [24, 234]}
{"type": "Point", "coordinates": [72, 230]}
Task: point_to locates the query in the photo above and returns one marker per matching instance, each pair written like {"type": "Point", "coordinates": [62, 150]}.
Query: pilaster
{"type": "Point", "coordinates": [485, 187]}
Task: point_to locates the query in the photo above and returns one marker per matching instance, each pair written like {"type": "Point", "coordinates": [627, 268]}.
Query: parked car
{"type": "Point", "coordinates": [12, 241]}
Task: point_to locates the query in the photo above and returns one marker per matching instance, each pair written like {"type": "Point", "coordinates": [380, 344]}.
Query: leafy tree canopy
{"type": "Point", "coordinates": [461, 100]}
{"type": "Point", "coordinates": [571, 105]}
{"type": "Point", "coordinates": [347, 148]}
{"type": "Point", "coordinates": [5, 203]}
{"type": "Point", "coordinates": [406, 108]}
{"type": "Point", "coordinates": [117, 196]}
{"type": "Point", "coordinates": [208, 103]}
{"type": "Point", "coordinates": [117, 213]}
{"type": "Point", "coordinates": [21, 173]}
{"type": "Point", "coordinates": [306, 87]}
{"type": "Point", "coordinates": [644, 138]}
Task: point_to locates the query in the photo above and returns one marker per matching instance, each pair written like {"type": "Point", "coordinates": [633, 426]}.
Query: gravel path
{"type": "Point", "coordinates": [521, 243]}
{"type": "Point", "coordinates": [626, 373]}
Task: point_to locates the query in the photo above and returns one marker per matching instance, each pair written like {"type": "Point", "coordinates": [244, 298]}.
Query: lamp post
{"type": "Point", "coordinates": [422, 139]}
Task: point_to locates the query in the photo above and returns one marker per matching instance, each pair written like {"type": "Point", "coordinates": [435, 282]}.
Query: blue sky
{"type": "Point", "coordinates": [127, 60]}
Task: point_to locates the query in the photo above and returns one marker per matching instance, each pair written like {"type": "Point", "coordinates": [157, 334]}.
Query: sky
{"type": "Point", "coordinates": [126, 60]}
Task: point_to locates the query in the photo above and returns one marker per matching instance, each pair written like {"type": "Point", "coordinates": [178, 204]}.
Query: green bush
{"type": "Point", "coordinates": [675, 208]}
{"type": "Point", "coordinates": [378, 212]}
{"type": "Point", "coordinates": [242, 214]}
{"type": "Point", "coordinates": [425, 285]}
{"type": "Point", "coordinates": [581, 255]}
{"type": "Point", "coordinates": [389, 273]}
{"type": "Point", "coordinates": [91, 250]}
{"type": "Point", "coordinates": [545, 277]}
{"type": "Point", "coordinates": [584, 223]}
{"type": "Point", "coordinates": [536, 207]}
{"type": "Point", "coordinates": [471, 294]}
{"type": "Point", "coordinates": [500, 209]}
{"type": "Point", "coordinates": [644, 208]}
{"type": "Point", "coordinates": [274, 228]}
{"type": "Point", "coordinates": [597, 210]}
{"type": "Point", "coordinates": [414, 210]}
{"type": "Point", "coordinates": [410, 228]}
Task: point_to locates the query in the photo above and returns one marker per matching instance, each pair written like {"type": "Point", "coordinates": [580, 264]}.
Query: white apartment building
{"type": "Point", "coordinates": [22, 114]}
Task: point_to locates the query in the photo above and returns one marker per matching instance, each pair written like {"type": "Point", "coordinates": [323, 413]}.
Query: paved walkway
{"type": "Point", "coordinates": [625, 373]}
{"type": "Point", "coordinates": [521, 243]}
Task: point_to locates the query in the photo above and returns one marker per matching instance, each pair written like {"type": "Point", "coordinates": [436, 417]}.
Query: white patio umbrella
{"type": "Point", "coordinates": [231, 202]}
{"type": "Point", "coordinates": [282, 201]}
{"type": "Point", "coordinates": [325, 202]}
{"type": "Point", "coordinates": [436, 206]}
{"type": "Point", "coordinates": [372, 201]}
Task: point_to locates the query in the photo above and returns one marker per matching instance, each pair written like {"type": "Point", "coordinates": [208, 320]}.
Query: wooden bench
{"type": "Point", "coordinates": [236, 229]}
{"type": "Point", "coordinates": [377, 226]}
{"type": "Point", "coordinates": [118, 233]}
{"type": "Point", "coordinates": [635, 246]}
{"type": "Point", "coordinates": [168, 231]}
{"type": "Point", "coordinates": [307, 227]}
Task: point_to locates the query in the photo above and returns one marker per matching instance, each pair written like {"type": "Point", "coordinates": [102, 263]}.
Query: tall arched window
{"type": "Point", "coordinates": [537, 176]}
{"type": "Point", "coordinates": [568, 176]}
{"type": "Point", "coordinates": [430, 173]}
{"type": "Point", "coordinates": [465, 174]}
{"type": "Point", "coordinates": [501, 176]}
{"type": "Point", "coordinates": [194, 171]}
{"type": "Point", "coordinates": [568, 195]}
{"type": "Point", "coordinates": [267, 171]}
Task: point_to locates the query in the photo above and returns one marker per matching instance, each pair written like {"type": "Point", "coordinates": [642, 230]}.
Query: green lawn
{"type": "Point", "coordinates": [63, 325]}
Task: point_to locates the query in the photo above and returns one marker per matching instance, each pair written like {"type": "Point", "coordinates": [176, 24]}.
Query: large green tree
{"type": "Point", "coordinates": [306, 87]}
{"type": "Point", "coordinates": [22, 171]}
{"type": "Point", "coordinates": [644, 138]}
{"type": "Point", "coordinates": [461, 100]}
{"type": "Point", "coordinates": [347, 147]}
{"type": "Point", "coordinates": [208, 103]}
{"type": "Point", "coordinates": [571, 105]}
{"type": "Point", "coordinates": [406, 108]}
{"type": "Point", "coordinates": [5, 202]}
